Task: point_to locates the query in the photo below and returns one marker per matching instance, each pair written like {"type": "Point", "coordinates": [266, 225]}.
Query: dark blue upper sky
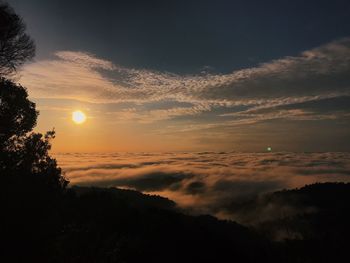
{"type": "Point", "coordinates": [184, 36]}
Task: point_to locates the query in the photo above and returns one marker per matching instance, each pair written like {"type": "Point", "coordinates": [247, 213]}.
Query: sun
{"type": "Point", "coordinates": [78, 117]}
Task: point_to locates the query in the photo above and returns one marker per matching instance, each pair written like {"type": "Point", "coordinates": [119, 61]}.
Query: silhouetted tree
{"type": "Point", "coordinates": [21, 154]}
{"type": "Point", "coordinates": [32, 185]}
{"type": "Point", "coordinates": [27, 172]}
{"type": "Point", "coordinates": [15, 45]}
{"type": "Point", "coordinates": [17, 113]}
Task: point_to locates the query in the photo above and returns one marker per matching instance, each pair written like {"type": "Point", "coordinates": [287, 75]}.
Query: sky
{"type": "Point", "coordinates": [191, 75]}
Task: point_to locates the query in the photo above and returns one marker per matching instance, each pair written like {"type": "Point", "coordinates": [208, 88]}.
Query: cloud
{"type": "Point", "coordinates": [315, 75]}
{"type": "Point", "coordinates": [153, 181]}
{"type": "Point", "coordinates": [321, 71]}
{"type": "Point", "coordinates": [85, 60]}
{"type": "Point", "coordinates": [206, 182]}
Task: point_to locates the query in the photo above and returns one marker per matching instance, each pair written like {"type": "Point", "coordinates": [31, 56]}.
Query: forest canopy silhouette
{"type": "Point", "coordinates": [43, 220]}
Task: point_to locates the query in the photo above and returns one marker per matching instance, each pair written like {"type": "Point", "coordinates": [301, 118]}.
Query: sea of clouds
{"type": "Point", "coordinates": [205, 182]}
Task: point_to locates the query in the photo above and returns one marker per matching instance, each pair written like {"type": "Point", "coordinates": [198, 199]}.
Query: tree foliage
{"type": "Point", "coordinates": [17, 113]}
{"type": "Point", "coordinates": [23, 154]}
{"type": "Point", "coordinates": [15, 45]}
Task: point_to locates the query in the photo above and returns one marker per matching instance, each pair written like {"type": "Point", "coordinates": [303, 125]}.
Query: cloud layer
{"type": "Point", "coordinates": [205, 182]}
{"type": "Point", "coordinates": [274, 90]}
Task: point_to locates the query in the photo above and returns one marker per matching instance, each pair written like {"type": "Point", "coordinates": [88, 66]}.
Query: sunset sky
{"type": "Point", "coordinates": [191, 75]}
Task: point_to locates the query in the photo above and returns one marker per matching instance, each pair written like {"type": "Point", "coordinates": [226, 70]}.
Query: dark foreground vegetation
{"type": "Point", "coordinates": [42, 220]}
{"type": "Point", "coordinates": [114, 225]}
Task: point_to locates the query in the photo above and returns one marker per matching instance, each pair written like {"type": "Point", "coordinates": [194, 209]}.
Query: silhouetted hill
{"type": "Point", "coordinates": [90, 224]}
{"type": "Point", "coordinates": [115, 225]}
{"type": "Point", "coordinates": [310, 199]}
{"type": "Point", "coordinates": [313, 221]}
{"type": "Point", "coordinates": [133, 198]}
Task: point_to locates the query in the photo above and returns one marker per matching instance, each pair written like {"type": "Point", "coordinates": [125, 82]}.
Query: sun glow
{"type": "Point", "coordinates": [78, 117]}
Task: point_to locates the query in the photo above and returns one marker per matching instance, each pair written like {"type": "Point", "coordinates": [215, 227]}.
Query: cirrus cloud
{"type": "Point", "coordinates": [313, 76]}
